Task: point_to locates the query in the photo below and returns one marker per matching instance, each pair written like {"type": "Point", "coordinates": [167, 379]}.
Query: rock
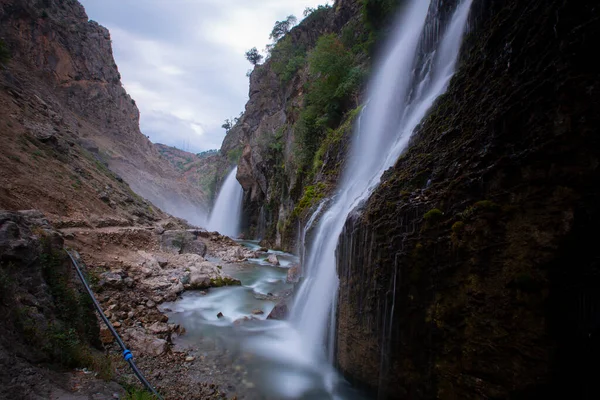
{"type": "Point", "coordinates": [190, 359]}
{"type": "Point", "coordinates": [176, 289]}
{"type": "Point", "coordinates": [173, 241]}
{"type": "Point", "coordinates": [146, 344]}
{"type": "Point", "coordinates": [185, 278]}
{"type": "Point", "coordinates": [242, 320]}
{"type": "Point", "coordinates": [104, 196]}
{"type": "Point", "coordinates": [194, 247]}
{"type": "Point", "coordinates": [106, 336]}
{"type": "Point", "coordinates": [263, 249]}
{"type": "Point", "coordinates": [293, 274]}
{"type": "Point", "coordinates": [150, 304]}
{"type": "Point", "coordinates": [198, 280]}
{"type": "Point", "coordinates": [258, 312]}
{"type": "Point", "coordinates": [158, 328]}
{"type": "Point", "coordinates": [159, 230]}
{"type": "Point", "coordinates": [280, 311]}
{"type": "Point", "coordinates": [128, 282]}
{"type": "Point", "coordinates": [272, 259]}
{"type": "Point", "coordinates": [111, 279]}
{"type": "Point", "coordinates": [117, 324]}
{"type": "Point", "coordinates": [162, 261]}
{"type": "Point", "coordinates": [69, 236]}
{"type": "Point", "coordinates": [220, 315]}
{"type": "Point", "coordinates": [182, 242]}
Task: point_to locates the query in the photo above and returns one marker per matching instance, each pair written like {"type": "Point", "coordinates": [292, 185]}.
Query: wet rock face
{"type": "Point", "coordinates": [469, 286]}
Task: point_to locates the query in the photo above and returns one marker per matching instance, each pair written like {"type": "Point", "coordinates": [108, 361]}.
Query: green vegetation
{"type": "Point", "coordinates": [253, 56]}
{"type": "Point", "coordinates": [334, 86]}
{"type": "Point", "coordinates": [6, 281]}
{"type": "Point", "coordinates": [312, 15]}
{"type": "Point", "coordinates": [287, 58]}
{"type": "Point", "coordinates": [67, 326]}
{"type": "Point", "coordinates": [135, 393]}
{"type": "Point", "coordinates": [486, 205]}
{"type": "Point", "coordinates": [433, 216]}
{"type": "Point", "coordinates": [234, 156]}
{"type": "Point", "coordinates": [458, 226]}
{"type": "Point", "coordinates": [375, 13]}
{"type": "Point", "coordinates": [282, 27]}
{"type": "Point", "coordinates": [312, 195]}
{"type": "Point", "coordinates": [207, 153]}
{"type": "Point", "coordinates": [4, 53]}
{"type": "Point", "coordinates": [333, 138]}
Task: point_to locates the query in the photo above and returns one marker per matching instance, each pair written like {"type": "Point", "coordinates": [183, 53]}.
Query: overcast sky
{"type": "Point", "coordinates": [183, 60]}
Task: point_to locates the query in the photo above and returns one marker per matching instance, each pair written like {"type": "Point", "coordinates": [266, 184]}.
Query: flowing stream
{"type": "Point", "coordinates": [225, 216]}
{"type": "Point", "coordinates": [293, 359]}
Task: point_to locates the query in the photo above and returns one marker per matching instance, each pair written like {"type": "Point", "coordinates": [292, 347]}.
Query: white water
{"type": "Point", "coordinates": [225, 216]}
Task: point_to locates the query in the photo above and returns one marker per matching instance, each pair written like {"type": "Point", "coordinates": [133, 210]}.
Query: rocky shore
{"type": "Point", "coordinates": [132, 270]}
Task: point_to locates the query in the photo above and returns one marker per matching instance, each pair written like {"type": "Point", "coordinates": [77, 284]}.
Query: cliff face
{"type": "Point", "coordinates": [265, 139]}
{"type": "Point", "coordinates": [203, 171]}
{"type": "Point", "coordinates": [481, 284]}
{"type": "Point", "coordinates": [66, 61]}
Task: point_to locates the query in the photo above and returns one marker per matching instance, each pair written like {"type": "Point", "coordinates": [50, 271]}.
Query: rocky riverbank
{"type": "Point", "coordinates": [132, 270]}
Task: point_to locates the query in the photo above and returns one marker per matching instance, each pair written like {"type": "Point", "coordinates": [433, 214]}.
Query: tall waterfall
{"type": "Point", "coordinates": [225, 216]}
{"type": "Point", "coordinates": [418, 65]}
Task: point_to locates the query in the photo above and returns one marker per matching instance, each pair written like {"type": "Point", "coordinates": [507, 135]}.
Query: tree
{"type": "Point", "coordinates": [227, 125]}
{"type": "Point", "coordinates": [308, 11]}
{"type": "Point", "coordinates": [282, 27]}
{"type": "Point", "coordinates": [253, 56]}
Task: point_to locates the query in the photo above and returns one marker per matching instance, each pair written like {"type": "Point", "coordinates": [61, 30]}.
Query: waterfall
{"type": "Point", "coordinates": [418, 64]}
{"type": "Point", "coordinates": [225, 216]}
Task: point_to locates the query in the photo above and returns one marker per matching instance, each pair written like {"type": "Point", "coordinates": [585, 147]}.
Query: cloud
{"type": "Point", "coordinates": [183, 60]}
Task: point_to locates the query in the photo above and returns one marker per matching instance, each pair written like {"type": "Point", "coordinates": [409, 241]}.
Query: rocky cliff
{"type": "Point", "coordinates": [272, 140]}
{"type": "Point", "coordinates": [204, 170]}
{"type": "Point", "coordinates": [471, 271]}
{"type": "Point", "coordinates": [64, 86]}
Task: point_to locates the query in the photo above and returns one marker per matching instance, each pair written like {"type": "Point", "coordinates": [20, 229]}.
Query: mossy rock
{"type": "Point", "coordinates": [221, 281]}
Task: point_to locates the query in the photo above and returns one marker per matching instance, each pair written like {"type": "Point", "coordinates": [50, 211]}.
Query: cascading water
{"type": "Point", "coordinates": [400, 95]}
{"type": "Point", "coordinates": [225, 216]}
{"type": "Point", "coordinates": [419, 63]}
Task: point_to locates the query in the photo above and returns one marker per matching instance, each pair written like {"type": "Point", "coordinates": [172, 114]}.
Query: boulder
{"type": "Point", "coordinates": [199, 280]}
{"type": "Point", "coordinates": [272, 259]}
{"type": "Point", "coordinates": [111, 279]}
{"type": "Point", "coordinates": [293, 274]}
{"type": "Point", "coordinates": [174, 241]}
{"type": "Point", "coordinates": [106, 336]}
{"type": "Point", "coordinates": [158, 328]}
{"type": "Point", "coordinates": [194, 247]}
{"type": "Point", "coordinates": [145, 344]}
{"type": "Point", "coordinates": [280, 311]}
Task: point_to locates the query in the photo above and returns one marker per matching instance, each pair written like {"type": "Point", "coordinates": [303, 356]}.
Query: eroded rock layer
{"type": "Point", "coordinates": [471, 271]}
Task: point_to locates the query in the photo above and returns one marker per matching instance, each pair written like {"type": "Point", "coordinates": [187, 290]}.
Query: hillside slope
{"type": "Point", "coordinates": [62, 85]}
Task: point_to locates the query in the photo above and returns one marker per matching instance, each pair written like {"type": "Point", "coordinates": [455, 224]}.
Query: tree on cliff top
{"type": "Point", "coordinates": [282, 27]}
{"type": "Point", "coordinates": [253, 56]}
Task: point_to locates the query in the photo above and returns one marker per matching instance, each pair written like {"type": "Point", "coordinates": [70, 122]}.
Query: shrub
{"type": "Point", "coordinates": [433, 215]}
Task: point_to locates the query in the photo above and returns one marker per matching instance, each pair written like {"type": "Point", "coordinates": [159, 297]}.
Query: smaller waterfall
{"type": "Point", "coordinates": [225, 216]}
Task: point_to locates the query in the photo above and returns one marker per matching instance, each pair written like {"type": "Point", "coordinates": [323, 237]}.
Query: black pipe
{"type": "Point", "coordinates": [126, 353]}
